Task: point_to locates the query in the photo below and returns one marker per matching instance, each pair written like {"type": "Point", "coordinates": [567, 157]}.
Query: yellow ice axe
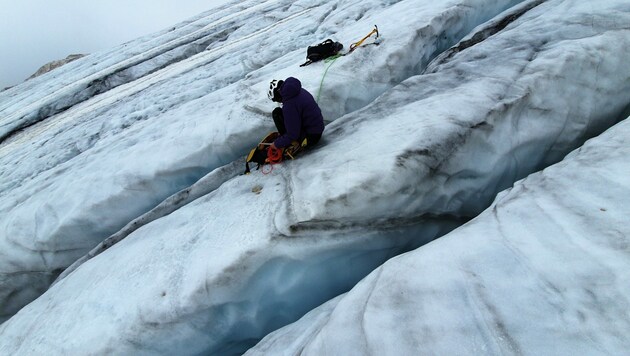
{"type": "Point", "coordinates": [357, 44]}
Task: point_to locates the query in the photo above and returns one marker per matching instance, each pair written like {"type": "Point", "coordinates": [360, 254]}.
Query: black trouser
{"type": "Point", "coordinates": [278, 119]}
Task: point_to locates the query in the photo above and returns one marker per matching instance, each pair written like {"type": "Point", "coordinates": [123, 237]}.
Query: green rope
{"type": "Point", "coordinates": [321, 84]}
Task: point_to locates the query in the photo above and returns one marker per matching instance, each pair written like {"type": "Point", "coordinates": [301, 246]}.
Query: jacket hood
{"type": "Point", "coordinates": [290, 89]}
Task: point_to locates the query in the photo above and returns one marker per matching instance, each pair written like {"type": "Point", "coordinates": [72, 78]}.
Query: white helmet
{"type": "Point", "coordinates": [274, 90]}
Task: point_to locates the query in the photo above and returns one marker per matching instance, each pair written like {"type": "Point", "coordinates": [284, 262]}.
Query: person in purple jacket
{"type": "Point", "coordinates": [299, 117]}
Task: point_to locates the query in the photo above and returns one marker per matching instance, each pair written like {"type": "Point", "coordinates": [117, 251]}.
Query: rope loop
{"type": "Point", "coordinates": [274, 156]}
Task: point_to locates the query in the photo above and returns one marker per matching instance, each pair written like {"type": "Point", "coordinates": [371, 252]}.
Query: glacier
{"type": "Point", "coordinates": [459, 100]}
{"type": "Point", "coordinates": [67, 198]}
{"type": "Point", "coordinates": [543, 271]}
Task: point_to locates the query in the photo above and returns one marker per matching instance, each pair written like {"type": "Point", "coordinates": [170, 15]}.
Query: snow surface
{"type": "Point", "coordinates": [543, 271]}
{"type": "Point", "coordinates": [414, 151]}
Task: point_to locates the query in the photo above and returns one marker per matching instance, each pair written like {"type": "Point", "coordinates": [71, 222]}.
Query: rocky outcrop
{"type": "Point", "coordinates": [55, 64]}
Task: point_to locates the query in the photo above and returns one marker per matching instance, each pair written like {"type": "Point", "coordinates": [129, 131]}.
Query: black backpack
{"type": "Point", "coordinates": [323, 50]}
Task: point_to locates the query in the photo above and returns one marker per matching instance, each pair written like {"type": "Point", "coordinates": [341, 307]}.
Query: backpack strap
{"type": "Point", "coordinates": [248, 159]}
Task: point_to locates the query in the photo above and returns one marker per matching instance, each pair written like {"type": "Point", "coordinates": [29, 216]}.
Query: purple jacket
{"type": "Point", "coordinates": [301, 113]}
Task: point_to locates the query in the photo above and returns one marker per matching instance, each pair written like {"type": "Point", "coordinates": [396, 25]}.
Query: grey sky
{"type": "Point", "coordinates": [35, 32]}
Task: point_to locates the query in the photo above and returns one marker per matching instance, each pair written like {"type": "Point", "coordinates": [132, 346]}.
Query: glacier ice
{"type": "Point", "coordinates": [81, 175]}
{"type": "Point", "coordinates": [544, 270]}
{"type": "Point", "coordinates": [428, 154]}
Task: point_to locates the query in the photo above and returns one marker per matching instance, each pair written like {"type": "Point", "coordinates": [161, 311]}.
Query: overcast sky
{"type": "Point", "coordinates": [35, 32]}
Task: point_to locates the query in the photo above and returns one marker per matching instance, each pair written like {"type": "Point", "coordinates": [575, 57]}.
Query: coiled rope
{"type": "Point", "coordinates": [274, 156]}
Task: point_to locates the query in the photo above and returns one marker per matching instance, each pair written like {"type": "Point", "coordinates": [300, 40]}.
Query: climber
{"type": "Point", "coordinates": [299, 119]}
